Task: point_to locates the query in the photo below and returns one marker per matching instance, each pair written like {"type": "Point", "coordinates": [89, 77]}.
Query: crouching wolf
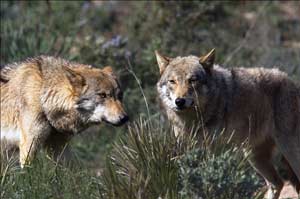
{"type": "Point", "coordinates": [47, 100]}
{"type": "Point", "coordinates": [259, 105]}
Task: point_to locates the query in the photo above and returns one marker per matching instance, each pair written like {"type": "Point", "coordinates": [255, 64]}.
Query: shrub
{"type": "Point", "coordinates": [204, 174]}
{"type": "Point", "coordinates": [151, 163]}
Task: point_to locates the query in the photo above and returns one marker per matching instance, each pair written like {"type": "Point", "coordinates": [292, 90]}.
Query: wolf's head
{"type": "Point", "coordinates": [184, 81]}
{"type": "Point", "coordinates": [100, 97]}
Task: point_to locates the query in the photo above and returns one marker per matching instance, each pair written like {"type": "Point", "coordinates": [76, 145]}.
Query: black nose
{"type": "Point", "coordinates": [124, 119]}
{"type": "Point", "coordinates": [180, 102]}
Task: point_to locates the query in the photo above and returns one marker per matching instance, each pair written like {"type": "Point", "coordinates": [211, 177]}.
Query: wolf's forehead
{"type": "Point", "coordinates": [108, 84]}
{"type": "Point", "coordinates": [184, 66]}
{"type": "Point", "coordinates": [103, 82]}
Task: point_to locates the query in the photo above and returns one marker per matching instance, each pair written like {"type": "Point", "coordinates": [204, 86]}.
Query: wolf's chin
{"type": "Point", "coordinates": [176, 109]}
{"type": "Point", "coordinates": [113, 124]}
{"type": "Point", "coordinates": [181, 110]}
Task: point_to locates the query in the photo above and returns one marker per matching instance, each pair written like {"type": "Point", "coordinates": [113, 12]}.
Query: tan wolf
{"type": "Point", "coordinates": [257, 104]}
{"type": "Point", "coordinates": [47, 100]}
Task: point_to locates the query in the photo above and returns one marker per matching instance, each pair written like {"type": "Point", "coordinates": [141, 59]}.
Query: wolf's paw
{"type": "Point", "coordinates": [272, 192]}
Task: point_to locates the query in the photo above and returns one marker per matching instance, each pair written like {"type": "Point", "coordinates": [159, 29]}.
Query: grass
{"type": "Point", "coordinates": [144, 160]}
{"type": "Point", "coordinates": [149, 162]}
{"type": "Point", "coordinates": [46, 179]}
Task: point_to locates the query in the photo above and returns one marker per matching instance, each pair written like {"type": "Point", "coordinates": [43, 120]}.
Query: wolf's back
{"type": "Point", "coordinates": [5, 72]}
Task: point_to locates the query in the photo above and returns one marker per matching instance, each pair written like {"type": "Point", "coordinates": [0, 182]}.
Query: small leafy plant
{"type": "Point", "coordinates": [152, 163]}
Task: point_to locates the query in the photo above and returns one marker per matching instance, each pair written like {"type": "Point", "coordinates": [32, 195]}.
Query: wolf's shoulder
{"type": "Point", "coordinates": [267, 79]}
{"type": "Point", "coordinates": [260, 73]}
{"type": "Point", "coordinates": [54, 62]}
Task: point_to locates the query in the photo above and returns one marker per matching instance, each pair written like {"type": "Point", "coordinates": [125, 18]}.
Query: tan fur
{"type": "Point", "coordinates": [259, 105]}
{"type": "Point", "coordinates": [46, 100]}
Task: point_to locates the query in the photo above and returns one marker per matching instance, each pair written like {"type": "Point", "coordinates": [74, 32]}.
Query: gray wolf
{"type": "Point", "coordinates": [46, 100]}
{"type": "Point", "coordinates": [257, 104]}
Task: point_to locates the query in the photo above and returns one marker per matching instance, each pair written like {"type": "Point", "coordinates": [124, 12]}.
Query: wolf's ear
{"type": "Point", "coordinates": [75, 78]}
{"type": "Point", "coordinates": [108, 70]}
{"type": "Point", "coordinates": [207, 61]}
{"type": "Point", "coordinates": [162, 61]}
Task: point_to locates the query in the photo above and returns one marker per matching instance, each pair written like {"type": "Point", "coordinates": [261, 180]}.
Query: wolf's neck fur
{"type": "Point", "coordinates": [219, 98]}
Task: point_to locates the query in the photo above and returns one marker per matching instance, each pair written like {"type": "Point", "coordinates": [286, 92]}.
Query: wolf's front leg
{"type": "Point", "coordinates": [57, 146]}
{"type": "Point", "coordinates": [28, 148]}
{"type": "Point", "coordinates": [177, 131]}
{"type": "Point", "coordinates": [35, 130]}
{"type": "Point", "coordinates": [262, 162]}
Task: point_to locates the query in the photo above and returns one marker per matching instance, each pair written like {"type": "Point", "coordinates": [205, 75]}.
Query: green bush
{"type": "Point", "coordinates": [205, 174]}
{"type": "Point", "coordinates": [151, 163]}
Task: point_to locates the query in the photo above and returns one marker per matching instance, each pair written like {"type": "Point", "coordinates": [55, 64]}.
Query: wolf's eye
{"type": "Point", "coordinates": [102, 95]}
{"type": "Point", "coordinates": [171, 81]}
{"type": "Point", "coordinates": [120, 95]}
{"type": "Point", "coordinates": [193, 80]}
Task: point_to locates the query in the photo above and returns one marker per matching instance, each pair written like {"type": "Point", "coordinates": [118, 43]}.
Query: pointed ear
{"type": "Point", "coordinates": [207, 61]}
{"type": "Point", "coordinates": [108, 70]}
{"type": "Point", "coordinates": [73, 76]}
{"type": "Point", "coordinates": [76, 80]}
{"type": "Point", "coordinates": [162, 61]}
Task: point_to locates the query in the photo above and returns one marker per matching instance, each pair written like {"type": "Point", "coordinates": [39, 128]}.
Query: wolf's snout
{"type": "Point", "coordinates": [118, 122]}
{"type": "Point", "coordinates": [124, 119]}
{"type": "Point", "coordinates": [180, 102]}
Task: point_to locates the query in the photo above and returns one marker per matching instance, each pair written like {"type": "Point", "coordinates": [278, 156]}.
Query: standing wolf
{"type": "Point", "coordinates": [47, 100]}
{"type": "Point", "coordinates": [257, 104]}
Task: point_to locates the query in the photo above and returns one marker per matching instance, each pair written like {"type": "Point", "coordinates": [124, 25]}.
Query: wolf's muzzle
{"type": "Point", "coordinates": [122, 120]}
{"type": "Point", "coordinates": [180, 102]}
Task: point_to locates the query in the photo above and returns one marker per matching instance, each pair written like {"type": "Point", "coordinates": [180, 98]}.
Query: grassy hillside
{"type": "Point", "coordinates": [142, 161]}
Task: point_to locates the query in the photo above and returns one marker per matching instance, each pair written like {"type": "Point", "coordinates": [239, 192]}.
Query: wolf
{"type": "Point", "coordinates": [47, 100]}
{"type": "Point", "coordinates": [255, 104]}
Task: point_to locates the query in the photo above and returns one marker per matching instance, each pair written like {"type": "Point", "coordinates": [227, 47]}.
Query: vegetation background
{"type": "Point", "coordinates": [144, 160]}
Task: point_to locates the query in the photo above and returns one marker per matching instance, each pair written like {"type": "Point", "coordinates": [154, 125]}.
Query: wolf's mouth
{"type": "Point", "coordinates": [119, 123]}
{"type": "Point", "coordinates": [180, 109]}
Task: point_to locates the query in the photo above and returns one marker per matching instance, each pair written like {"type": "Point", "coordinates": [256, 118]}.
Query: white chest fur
{"type": "Point", "coordinates": [10, 135]}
